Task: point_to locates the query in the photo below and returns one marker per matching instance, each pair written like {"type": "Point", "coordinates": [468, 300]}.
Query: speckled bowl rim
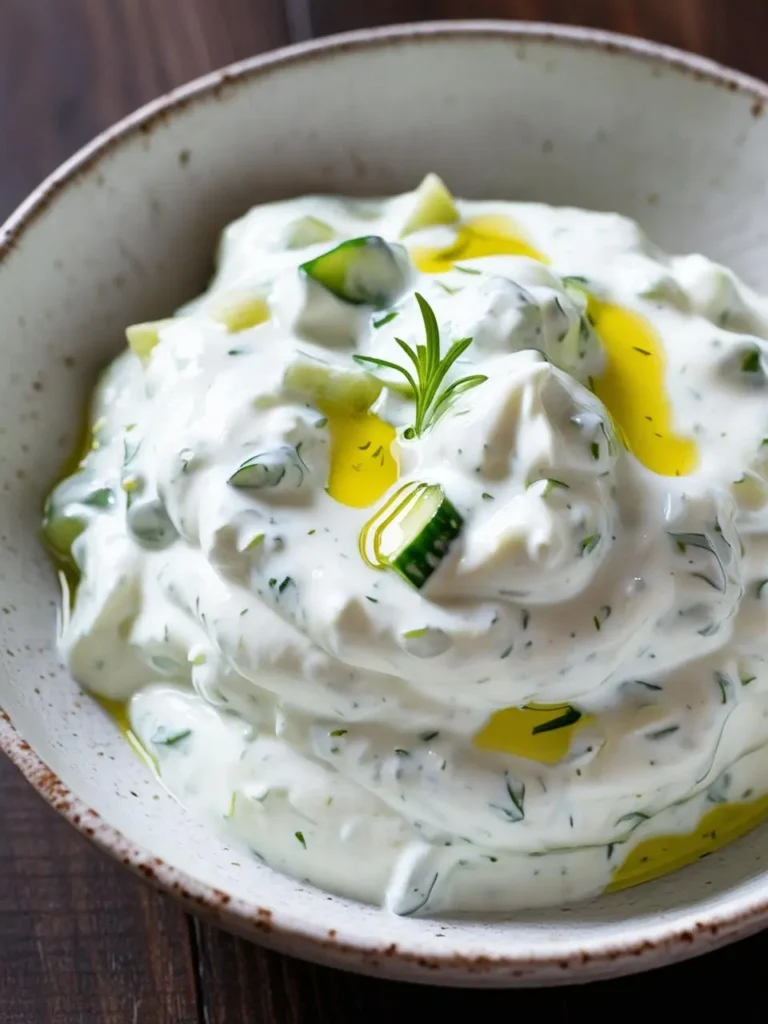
{"type": "Point", "coordinates": [564, 962]}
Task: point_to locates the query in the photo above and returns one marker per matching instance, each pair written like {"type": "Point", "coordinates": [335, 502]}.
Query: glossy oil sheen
{"type": "Point", "coordinates": [362, 467]}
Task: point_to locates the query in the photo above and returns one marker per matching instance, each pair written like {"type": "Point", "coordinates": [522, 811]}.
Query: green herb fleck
{"type": "Point", "coordinates": [589, 544]}
{"type": "Point", "coordinates": [595, 449]}
{"type": "Point", "coordinates": [302, 840]}
{"type": "Point", "coordinates": [487, 496]}
{"type": "Point", "coordinates": [516, 794]}
{"type": "Point", "coordinates": [573, 279]}
{"type": "Point", "coordinates": [429, 736]}
{"type": "Point", "coordinates": [635, 818]}
{"type": "Point", "coordinates": [338, 732]}
{"type": "Point", "coordinates": [661, 734]}
{"type": "Point", "coordinates": [642, 351]}
{"type": "Point", "coordinates": [413, 634]}
{"type": "Point", "coordinates": [725, 686]}
{"type": "Point", "coordinates": [103, 498]}
{"type": "Point", "coordinates": [570, 717]}
{"type": "Point", "coordinates": [605, 613]}
{"type": "Point", "coordinates": [169, 737]}
{"type": "Point", "coordinates": [552, 485]}
{"type": "Point", "coordinates": [385, 319]}
{"type": "Point", "coordinates": [751, 362]}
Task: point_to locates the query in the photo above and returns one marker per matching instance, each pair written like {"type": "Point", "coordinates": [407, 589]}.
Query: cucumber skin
{"type": "Point", "coordinates": [331, 270]}
{"type": "Point", "coordinates": [419, 559]}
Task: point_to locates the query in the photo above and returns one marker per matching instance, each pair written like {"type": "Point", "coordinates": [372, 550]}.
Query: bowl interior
{"type": "Point", "coordinates": [130, 232]}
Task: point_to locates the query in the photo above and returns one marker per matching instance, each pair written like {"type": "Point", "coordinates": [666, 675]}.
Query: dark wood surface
{"type": "Point", "coordinates": [82, 941]}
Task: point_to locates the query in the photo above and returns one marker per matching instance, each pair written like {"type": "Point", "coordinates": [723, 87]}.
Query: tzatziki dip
{"type": "Point", "coordinates": [426, 553]}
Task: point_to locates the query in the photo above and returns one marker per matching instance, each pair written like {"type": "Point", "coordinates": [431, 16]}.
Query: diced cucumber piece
{"type": "Point", "coordinates": [238, 311]}
{"type": "Point", "coordinates": [283, 465]}
{"type": "Point", "coordinates": [69, 509]}
{"type": "Point", "coordinates": [363, 271]}
{"type": "Point", "coordinates": [750, 492]}
{"type": "Point", "coordinates": [412, 533]}
{"type": "Point", "coordinates": [336, 385]}
{"type": "Point", "coordinates": [61, 532]}
{"type": "Point", "coordinates": [150, 524]}
{"type": "Point", "coordinates": [426, 642]}
{"type": "Point", "coordinates": [142, 338]}
{"type": "Point", "coordinates": [434, 205]}
{"type": "Point", "coordinates": [307, 231]}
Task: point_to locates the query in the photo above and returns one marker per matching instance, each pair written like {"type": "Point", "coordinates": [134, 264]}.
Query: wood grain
{"type": "Point", "coordinates": [733, 33]}
{"type": "Point", "coordinates": [242, 984]}
{"type": "Point", "coordinates": [68, 68]}
{"type": "Point", "coordinates": [80, 940]}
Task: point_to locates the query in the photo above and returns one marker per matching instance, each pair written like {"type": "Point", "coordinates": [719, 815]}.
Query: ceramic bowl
{"type": "Point", "coordinates": [125, 231]}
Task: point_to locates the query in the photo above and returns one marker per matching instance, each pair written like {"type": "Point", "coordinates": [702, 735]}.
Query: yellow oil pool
{"type": "Point", "coordinates": [633, 389]}
{"type": "Point", "coordinates": [363, 466]}
{"type": "Point", "coordinates": [489, 235]}
{"type": "Point", "coordinates": [658, 856]}
{"type": "Point", "coordinates": [539, 732]}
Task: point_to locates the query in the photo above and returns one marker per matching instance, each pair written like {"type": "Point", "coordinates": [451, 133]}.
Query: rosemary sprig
{"type": "Point", "coordinates": [431, 370]}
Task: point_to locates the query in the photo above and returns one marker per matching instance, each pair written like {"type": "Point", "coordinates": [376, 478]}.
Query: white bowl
{"type": "Point", "coordinates": [125, 231]}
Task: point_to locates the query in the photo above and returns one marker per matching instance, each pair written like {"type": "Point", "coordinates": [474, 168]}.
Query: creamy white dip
{"type": "Point", "coordinates": [604, 560]}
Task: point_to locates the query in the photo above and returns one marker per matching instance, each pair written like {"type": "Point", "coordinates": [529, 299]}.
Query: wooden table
{"type": "Point", "coordinates": [81, 940]}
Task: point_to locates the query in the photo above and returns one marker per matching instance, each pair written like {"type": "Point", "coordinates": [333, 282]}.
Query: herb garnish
{"type": "Point", "coordinates": [570, 717]}
{"type": "Point", "coordinates": [169, 737]}
{"type": "Point", "coordinates": [385, 319]}
{"type": "Point", "coordinates": [431, 370]}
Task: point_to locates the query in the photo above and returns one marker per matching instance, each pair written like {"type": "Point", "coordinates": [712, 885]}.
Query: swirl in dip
{"type": "Point", "coordinates": [492, 643]}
